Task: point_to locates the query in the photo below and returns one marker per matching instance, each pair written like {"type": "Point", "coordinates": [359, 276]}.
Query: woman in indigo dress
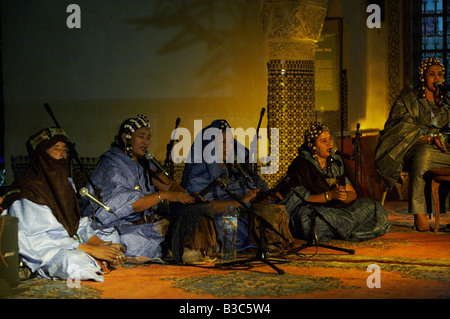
{"type": "Point", "coordinates": [205, 165]}
{"type": "Point", "coordinates": [54, 240]}
{"type": "Point", "coordinates": [316, 180]}
{"type": "Point", "coordinates": [133, 189]}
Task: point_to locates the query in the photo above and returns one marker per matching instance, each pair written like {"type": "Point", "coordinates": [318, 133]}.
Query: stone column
{"type": "Point", "coordinates": [292, 29]}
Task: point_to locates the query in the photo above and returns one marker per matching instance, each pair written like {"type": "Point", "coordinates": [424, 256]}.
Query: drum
{"type": "Point", "coordinates": [269, 228]}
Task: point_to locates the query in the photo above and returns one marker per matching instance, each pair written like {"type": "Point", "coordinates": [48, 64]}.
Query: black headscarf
{"type": "Point", "coordinates": [46, 180]}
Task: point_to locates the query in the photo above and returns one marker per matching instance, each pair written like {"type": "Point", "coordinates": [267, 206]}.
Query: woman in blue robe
{"type": "Point", "coordinates": [205, 165]}
{"type": "Point", "coordinates": [132, 188]}
{"type": "Point", "coordinates": [316, 180]}
{"type": "Point", "coordinates": [54, 240]}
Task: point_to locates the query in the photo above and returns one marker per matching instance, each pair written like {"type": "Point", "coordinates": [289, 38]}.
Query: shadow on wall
{"type": "Point", "coordinates": [229, 31]}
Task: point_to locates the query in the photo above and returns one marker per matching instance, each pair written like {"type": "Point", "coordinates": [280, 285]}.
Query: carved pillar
{"type": "Point", "coordinates": [292, 29]}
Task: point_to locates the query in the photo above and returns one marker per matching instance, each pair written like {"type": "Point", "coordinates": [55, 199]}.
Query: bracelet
{"type": "Point", "coordinates": [327, 196]}
{"type": "Point", "coordinates": [159, 196]}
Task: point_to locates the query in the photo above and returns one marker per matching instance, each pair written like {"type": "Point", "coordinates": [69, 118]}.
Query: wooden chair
{"type": "Point", "coordinates": [401, 196]}
{"type": "Point", "coordinates": [438, 175]}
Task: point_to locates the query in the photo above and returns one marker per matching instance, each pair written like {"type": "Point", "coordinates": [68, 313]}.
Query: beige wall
{"type": "Point", "coordinates": [205, 60]}
{"type": "Point", "coordinates": [160, 58]}
{"type": "Point", "coordinates": [365, 57]}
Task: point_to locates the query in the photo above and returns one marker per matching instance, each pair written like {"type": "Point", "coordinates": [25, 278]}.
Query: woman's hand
{"type": "Point", "coordinates": [345, 194]}
{"type": "Point", "coordinates": [339, 193]}
{"type": "Point", "coordinates": [436, 140]}
{"type": "Point", "coordinates": [250, 196]}
{"type": "Point", "coordinates": [177, 196]}
{"type": "Point", "coordinates": [439, 142]}
{"type": "Point", "coordinates": [112, 253]}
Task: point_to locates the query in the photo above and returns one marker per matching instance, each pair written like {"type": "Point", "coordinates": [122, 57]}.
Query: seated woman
{"type": "Point", "coordinates": [412, 137]}
{"type": "Point", "coordinates": [316, 180]}
{"type": "Point", "coordinates": [199, 172]}
{"type": "Point", "coordinates": [131, 186]}
{"type": "Point", "coordinates": [54, 240]}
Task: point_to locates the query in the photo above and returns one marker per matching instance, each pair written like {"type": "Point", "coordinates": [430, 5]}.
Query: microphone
{"type": "Point", "coordinates": [263, 110]}
{"type": "Point", "coordinates": [211, 185]}
{"type": "Point", "coordinates": [441, 86]}
{"type": "Point", "coordinates": [149, 156]}
{"type": "Point", "coordinates": [357, 137]}
{"type": "Point", "coordinates": [334, 150]}
{"type": "Point", "coordinates": [85, 193]}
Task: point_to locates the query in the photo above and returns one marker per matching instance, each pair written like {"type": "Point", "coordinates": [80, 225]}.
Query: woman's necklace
{"type": "Point", "coordinates": [138, 186]}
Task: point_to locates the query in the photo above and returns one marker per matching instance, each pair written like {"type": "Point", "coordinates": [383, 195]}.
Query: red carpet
{"type": "Point", "coordinates": [412, 265]}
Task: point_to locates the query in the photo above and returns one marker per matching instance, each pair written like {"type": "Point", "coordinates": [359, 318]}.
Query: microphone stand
{"type": "Point", "coordinates": [74, 154]}
{"type": "Point", "coordinates": [254, 144]}
{"type": "Point", "coordinates": [312, 237]}
{"type": "Point", "coordinates": [356, 153]}
{"type": "Point", "coordinates": [261, 254]}
{"type": "Point", "coordinates": [169, 162]}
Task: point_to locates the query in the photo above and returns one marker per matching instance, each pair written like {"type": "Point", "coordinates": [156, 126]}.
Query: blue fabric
{"type": "Point", "coordinates": [117, 175]}
{"type": "Point", "coordinates": [196, 176]}
{"type": "Point", "coordinates": [363, 219]}
{"type": "Point", "coordinates": [45, 245]}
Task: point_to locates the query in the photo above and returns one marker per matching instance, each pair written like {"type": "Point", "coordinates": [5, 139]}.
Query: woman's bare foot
{"type": "Point", "coordinates": [421, 223]}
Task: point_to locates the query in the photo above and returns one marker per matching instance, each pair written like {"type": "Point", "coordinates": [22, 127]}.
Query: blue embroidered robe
{"type": "Point", "coordinates": [46, 247]}
{"type": "Point", "coordinates": [118, 176]}
{"type": "Point", "coordinates": [197, 176]}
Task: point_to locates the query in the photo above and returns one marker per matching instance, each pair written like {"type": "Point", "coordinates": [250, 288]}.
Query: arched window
{"type": "Point", "coordinates": [431, 33]}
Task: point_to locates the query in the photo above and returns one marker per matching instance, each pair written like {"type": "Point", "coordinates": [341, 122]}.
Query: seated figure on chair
{"type": "Point", "coordinates": [414, 137]}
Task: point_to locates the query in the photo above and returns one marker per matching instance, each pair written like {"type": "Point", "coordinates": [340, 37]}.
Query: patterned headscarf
{"type": "Point", "coordinates": [423, 68]}
{"type": "Point", "coordinates": [45, 139]}
{"type": "Point", "coordinates": [313, 132]}
{"type": "Point", "coordinates": [128, 127]}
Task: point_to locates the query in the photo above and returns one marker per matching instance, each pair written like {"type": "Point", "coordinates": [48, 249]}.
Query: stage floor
{"type": "Point", "coordinates": [406, 264]}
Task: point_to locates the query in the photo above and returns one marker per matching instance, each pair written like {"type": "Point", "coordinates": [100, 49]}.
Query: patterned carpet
{"type": "Point", "coordinates": [412, 265]}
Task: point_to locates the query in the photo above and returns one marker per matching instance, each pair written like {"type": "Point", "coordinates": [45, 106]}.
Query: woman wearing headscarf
{"type": "Point", "coordinates": [414, 135]}
{"type": "Point", "coordinates": [316, 180]}
{"type": "Point", "coordinates": [131, 186]}
{"type": "Point", "coordinates": [205, 165]}
{"type": "Point", "coordinates": [54, 240]}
